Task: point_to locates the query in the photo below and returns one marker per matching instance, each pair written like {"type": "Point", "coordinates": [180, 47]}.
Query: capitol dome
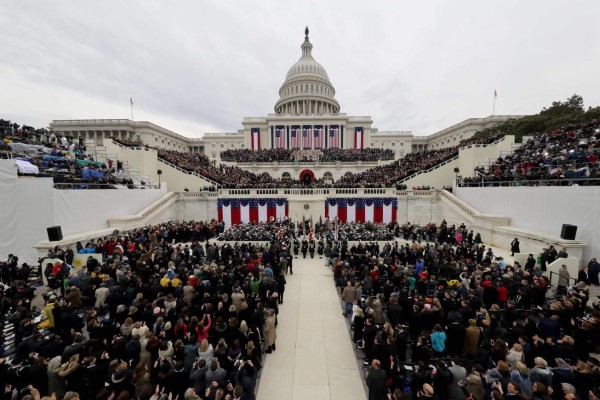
{"type": "Point", "coordinates": [307, 89]}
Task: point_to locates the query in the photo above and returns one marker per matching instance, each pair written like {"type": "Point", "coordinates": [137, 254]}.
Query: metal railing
{"type": "Point", "coordinates": [424, 171]}
{"type": "Point", "coordinates": [187, 172]}
{"type": "Point", "coordinates": [86, 185]}
{"type": "Point", "coordinates": [552, 273]}
{"type": "Point", "coordinates": [321, 191]}
{"type": "Point", "coordinates": [587, 181]}
{"type": "Point", "coordinates": [464, 207]}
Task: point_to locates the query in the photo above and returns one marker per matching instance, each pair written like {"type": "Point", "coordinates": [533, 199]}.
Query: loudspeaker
{"type": "Point", "coordinates": [568, 232]}
{"type": "Point", "coordinates": [54, 233]}
{"type": "Point", "coordinates": [456, 170]}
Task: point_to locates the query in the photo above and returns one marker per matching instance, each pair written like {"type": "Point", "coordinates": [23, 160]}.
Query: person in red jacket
{"type": "Point", "coordinates": [203, 327]}
{"type": "Point", "coordinates": [502, 293]}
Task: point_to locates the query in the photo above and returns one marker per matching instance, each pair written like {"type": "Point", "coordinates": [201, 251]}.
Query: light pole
{"type": "Point", "coordinates": [159, 173]}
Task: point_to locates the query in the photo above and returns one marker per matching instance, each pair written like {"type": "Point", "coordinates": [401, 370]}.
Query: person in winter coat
{"type": "Point", "coordinates": [541, 373]}
{"type": "Point", "coordinates": [270, 330]}
{"type": "Point", "coordinates": [376, 382]}
{"type": "Point", "coordinates": [438, 340]}
{"type": "Point", "coordinates": [459, 374]}
{"type": "Point", "coordinates": [474, 385]}
{"type": "Point", "coordinates": [472, 334]}
{"type": "Point", "coordinates": [515, 355]}
{"type": "Point", "coordinates": [515, 247]}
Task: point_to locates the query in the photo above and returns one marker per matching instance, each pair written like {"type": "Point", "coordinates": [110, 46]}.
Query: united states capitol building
{"type": "Point", "coordinates": [306, 116]}
{"type": "Point", "coordinates": [307, 119]}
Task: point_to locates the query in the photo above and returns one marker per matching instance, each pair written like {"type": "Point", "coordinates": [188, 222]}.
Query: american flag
{"type": "Point", "coordinates": [306, 138]}
{"type": "Point", "coordinates": [334, 138]}
{"type": "Point", "coordinates": [295, 138]}
{"type": "Point", "coordinates": [279, 138]}
{"type": "Point", "coordinates": [318, 134]}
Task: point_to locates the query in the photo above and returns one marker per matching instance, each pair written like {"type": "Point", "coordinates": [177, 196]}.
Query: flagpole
{"type": "Point", "coordinates": [494, 106]}
{"type": "Point", "coordinates": [131, 105]}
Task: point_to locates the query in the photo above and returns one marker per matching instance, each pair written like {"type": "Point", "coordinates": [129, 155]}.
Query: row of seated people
{"type": "Point", "coordinates": [561, 156]}
{"type": "Point", "coordinates": [381, 176]}
{"type": "Point", "coordinates": [61, 157]}
{"type": "Point", "coordinates": [162, 312]}
{"type": "Point", "coordinates": [442, 321]}
{"type": "Point", "coordinates": [127, 142]}
{"type": "Point", "coordinates": [388, 175]}
{"type": "Point", "coordinates": [236, 177]}
{"type": "Point", "coordinates": [321, 231]}
{"type": "Point", "coordinates": [291, 155]}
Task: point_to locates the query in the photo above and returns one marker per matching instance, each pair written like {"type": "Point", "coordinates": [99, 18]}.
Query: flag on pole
{"type": "Point", "coordinates": [495, 93]}
{"type": "Point", "coordinates": [131, 100]}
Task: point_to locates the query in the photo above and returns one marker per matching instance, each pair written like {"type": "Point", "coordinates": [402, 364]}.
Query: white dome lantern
{"type": "Point", "coordinates": [307, 89]}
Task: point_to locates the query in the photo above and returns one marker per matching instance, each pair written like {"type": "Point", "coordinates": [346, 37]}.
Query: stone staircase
{"type": "Point", "coordinates": [99, 153]}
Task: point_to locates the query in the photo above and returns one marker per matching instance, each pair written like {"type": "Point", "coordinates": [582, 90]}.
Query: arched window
{"type": "Point", "coordinates": [328, 177]}
{"type": "Point", "coordinates": [286, 176]}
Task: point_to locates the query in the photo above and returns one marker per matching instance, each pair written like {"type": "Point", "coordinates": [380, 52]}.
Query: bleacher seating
{"type": "Point", "coordinates": [559, 157]}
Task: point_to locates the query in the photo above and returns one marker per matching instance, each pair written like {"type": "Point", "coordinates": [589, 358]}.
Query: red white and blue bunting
{"type": "Point", "coordinates": [362, 209]}
{"type": "Point", "coordinates": [244, 211]}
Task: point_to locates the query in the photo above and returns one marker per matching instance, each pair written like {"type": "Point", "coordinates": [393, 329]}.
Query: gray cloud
{"type": "Point", "coordinates": [198, 67]}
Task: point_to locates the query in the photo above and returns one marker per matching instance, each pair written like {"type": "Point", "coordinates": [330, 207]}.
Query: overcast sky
{"type": "Point", "coordinates": [200, 66]}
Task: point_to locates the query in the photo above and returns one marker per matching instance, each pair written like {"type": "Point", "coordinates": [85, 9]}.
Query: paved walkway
{"type": "Point", "coordinates": [314, 358]}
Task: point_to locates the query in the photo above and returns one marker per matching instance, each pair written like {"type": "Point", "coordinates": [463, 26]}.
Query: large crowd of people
{"type": "Point", "coordinates": [442, 317]}
{"type": "Point", "coordinates": [290, 155]}
{"type": "Point", "coordinates": [63, 158]}
{"type": "Point", "coordinates": [354, 155]}
{"type": "Point", "coordinates": [164, 313]}
{"type": "Point", "coordinates": [257, 232]}
{"type": "Point", "coordinates": [560, 157]}
{"type": "Point", "coordinates": [228, 176]}
{"type": "Point", "coordinates": [257, 156]}
{"type": "Point", "coordinates": [388, 175]}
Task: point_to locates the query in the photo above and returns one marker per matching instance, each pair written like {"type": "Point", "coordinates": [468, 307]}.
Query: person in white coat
{"type": "Point", "coordinates": [101, 294]}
